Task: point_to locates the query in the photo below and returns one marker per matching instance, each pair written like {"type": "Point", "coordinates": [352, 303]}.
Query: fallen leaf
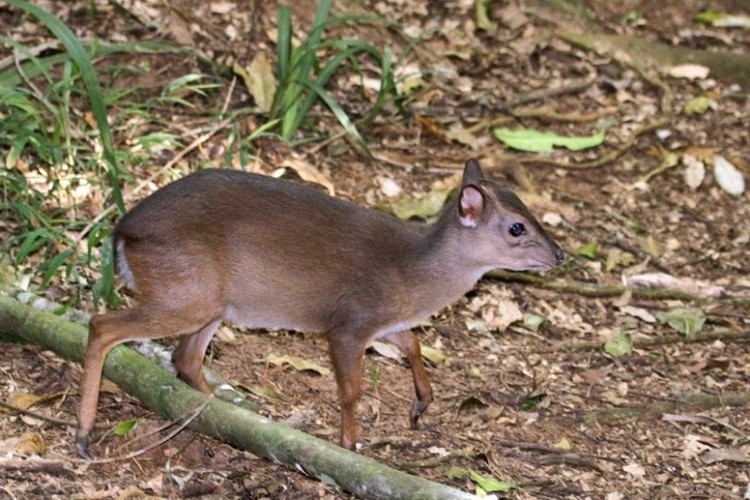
{"type": "Point", "coordinates": [389, 187]}
{"type": "Point", "coordinates": [506, 313]}
{"type": "Point", "coordinates": [686, 320]}
{"type": "Point", "coordinates": [543, 142]}
{"type": "Point", "coordinates": [298, 364]}
{"type": "Point", "coordinates": [619, 344]}
{"type": "Point", "coordinates": [532, 322]}
{"type": "Point", "coordinates": [482, 17]}
{"type": "Point", "coordinates": [23, 400]}
{"type": "Point", "coordinates": [639, 312]}
{"type": "Point", "coordinates": [386, 350]}
{"type": "Point", "coordinates": [725, 455]}
{"type": "Point", "coordinates": [635, 470]}
{"type": "Point", "coordinates": [266, 392]}
{"type": "Point", "coordinates": [123, 428]}
{"type": "Point", "coordinates": [695, 171]}
{"type": "Point", "coordinates": [563, 444]}
{"type": "Point", "coordinates": [694, 446]}
{"type": "Point", "coordinates": [689, 71]}
{"type": "Point", "coordinates": [434, 356]}
{"type": "Point", "coordinates": [259, 80]}
{"type": "Point", "coordinates": [423, 207]}
{"type": "Point", "coordinates": [308, 172]}
{"type": "Point", "coordinates": [476, 372]}
{"type": "Point", "coordinates": [728, 177]}
{"type": "Point", "coordinates": [651, 246]}
{"type": "Point", "coordinates": [698, 105]}
{"type": "Point", "coordinates": [222, 7]}
{"type": "Point", "coordinates": [490, 484]}
{"type": "Point", "coordinates": [457, 132]}
{"type": "Point", "coordinates": [589, 250]}
{"type": "Point", "coordinates": [30, 443]}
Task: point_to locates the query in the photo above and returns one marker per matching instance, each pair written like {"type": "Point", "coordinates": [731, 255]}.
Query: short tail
{"type": "Point", "coordinates": [121, 262]}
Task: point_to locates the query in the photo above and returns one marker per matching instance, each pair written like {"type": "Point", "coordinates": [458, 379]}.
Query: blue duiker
{"type": "Point", "coordinates": [222, 245]}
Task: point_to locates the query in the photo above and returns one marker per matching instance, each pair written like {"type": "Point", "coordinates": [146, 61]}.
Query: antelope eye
{"type": "Point", "coordinates": [516, 229]}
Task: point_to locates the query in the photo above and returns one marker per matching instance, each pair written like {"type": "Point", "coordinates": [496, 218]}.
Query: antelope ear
{"type": "Point", "coordinates": [472, 173]}
{"type": "Point", "coordinates": [470, 206]}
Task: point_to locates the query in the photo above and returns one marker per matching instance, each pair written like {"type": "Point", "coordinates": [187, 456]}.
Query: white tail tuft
{"type": "Point", "coordinates": [122, 266]}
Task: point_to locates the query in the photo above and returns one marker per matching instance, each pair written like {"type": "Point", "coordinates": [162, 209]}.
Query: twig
{"type": "Point", "coordinates": [596, 290]}
{"type": "Point", "coordinates": [39, 416]}
{"type": "Point", "coordinates": [701, 401]}
{"type": "Point", "coordinates": [186, 421]}
{"type": "Point", "coordinates": [55, 467]}
{"type": "Point", "coordinates": [735, 336]}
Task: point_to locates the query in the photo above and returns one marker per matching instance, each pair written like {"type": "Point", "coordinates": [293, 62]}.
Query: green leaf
{"type": "Point", "coordinates": [619, 344]}
{"type": "Point", "coordinates": [123, 428]}
{"type": "Point", "coordinates": [532, 322]}
{"type": "Point", "coordinates": [686, 320]}
{"type": "Point", "coordinates": [531, 402]}
{"type": "Point", "coordinates": [490, 484]}
{"type": "Point", "coordinates": [542, 142]}
{"type": "Point", "coordinates": [434, 356]}
{"type": "Point", "coordinates": [589, 250]}
{"type": "Point", "coordinates": [482, 17]}
{"type": "Point", "coordinates": [697, 105]}
{"type": "Point", "coordinates": [708, 16]}
{"type": "Point", "coordinates": [52, 266]}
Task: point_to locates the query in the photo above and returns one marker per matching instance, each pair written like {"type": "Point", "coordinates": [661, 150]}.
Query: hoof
{"type": "Point", "coordinates": [82, 446]}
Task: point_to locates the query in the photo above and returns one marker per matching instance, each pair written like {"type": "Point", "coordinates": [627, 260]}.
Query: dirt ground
{"type": "Point", "coordinates": [562, 418]}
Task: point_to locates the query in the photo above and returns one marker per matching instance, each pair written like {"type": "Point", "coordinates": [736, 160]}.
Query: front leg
{"type": "Point", "coordinates": [408, 344]}
{"type": "Point", "coordinates": [347, 354]}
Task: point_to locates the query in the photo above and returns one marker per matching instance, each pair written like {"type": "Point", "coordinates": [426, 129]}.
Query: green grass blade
{"type": "Point", "coordinates": [98, 109]}
{"type": "Point", "coordinates": [341, 116]}
{"type": "Point", "coordinates": [52, 266]}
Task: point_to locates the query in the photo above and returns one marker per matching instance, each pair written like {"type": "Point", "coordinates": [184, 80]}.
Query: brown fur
{"type": "Point", "coordinates": [266, 253]}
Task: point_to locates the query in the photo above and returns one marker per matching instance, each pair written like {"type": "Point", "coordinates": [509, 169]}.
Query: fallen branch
{"type": "Point", "coordinates": [692, 402]}
{"type": "Point", "coordinates": [151, 350]}
{"type": "Point", "coordinates": [640, 343]}
{"type": "Point", "coordinates": [596, 290]}
{"type": "Point", "coordinates": [171, 398]}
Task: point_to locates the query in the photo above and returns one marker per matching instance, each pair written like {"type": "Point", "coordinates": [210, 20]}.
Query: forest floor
{"type": "Point", "coordinates": [552, 409]}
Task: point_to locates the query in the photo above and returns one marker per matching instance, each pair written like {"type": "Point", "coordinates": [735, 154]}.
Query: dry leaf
{"type": "Point", "coordinates": [386, 350]}
{"type": "Point", "coordinates": [457, 132]}
{"type": "Point", "coordinates": [259, 80]}
{"type": "Point", "coordinates": [389, 187]}
{"type": "Point", "coordinates": [23, 400]}
{"type": "Point", "coordinates": [635, 470]}
{"type": "Point", "coordinates": [309, 173]}
{"type": "Point", "coordinates": [725, 455]}
{"type": "Point", "coordinates": [299, 364]}
{"type": "Point", "coordinates": [689, 71]}
{"type": "Point", "coordinates": [639, 312]}
{"type": "Point", "coordinates": [695, 171]}
{"type": "Point", "coordinates": [728, 177]}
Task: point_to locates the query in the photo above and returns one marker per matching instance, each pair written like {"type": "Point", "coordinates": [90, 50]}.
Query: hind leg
{"type": "Point", "coordinates": [108, 330]}
{"type": "Point", "coordinates": [188, 356]}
